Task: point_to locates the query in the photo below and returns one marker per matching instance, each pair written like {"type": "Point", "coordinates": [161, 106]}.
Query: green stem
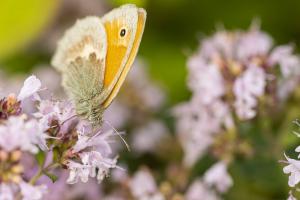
{"type": "Point", "coordinates": [42, 170]}
{"type": "Point", "coordinates": [36, 177]}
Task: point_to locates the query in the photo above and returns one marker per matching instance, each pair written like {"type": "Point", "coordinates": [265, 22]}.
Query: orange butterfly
{"type": "Point", "coordinates": [96, 54]}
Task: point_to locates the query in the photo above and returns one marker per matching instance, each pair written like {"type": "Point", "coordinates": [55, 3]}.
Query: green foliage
{"type": "Point", "coordinates": [40, 158]}
{"type": "Point", "coordinates": [53, 177]}
{"type": "Point", "coordinates": [21, 22]}
{"type": "Point", "coordinates": [136, 2]}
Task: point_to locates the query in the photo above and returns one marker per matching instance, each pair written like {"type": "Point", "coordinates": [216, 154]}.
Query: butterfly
{"type": "Point", "coordinates": [95, 55]}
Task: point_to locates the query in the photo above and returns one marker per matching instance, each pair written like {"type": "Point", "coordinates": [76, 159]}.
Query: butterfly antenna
{"type": "Point", "coordinates": [126, 144]}
{"type": "Point", "coordinates": [68, 119]}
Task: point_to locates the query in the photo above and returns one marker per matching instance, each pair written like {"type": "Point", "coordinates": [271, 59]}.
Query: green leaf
{"type": "Point", "coordinates": [40, 157]}
{"type": "Point", "coordinates": [53, 177]}
{"type": "Point", "coordinates": [56, 155]}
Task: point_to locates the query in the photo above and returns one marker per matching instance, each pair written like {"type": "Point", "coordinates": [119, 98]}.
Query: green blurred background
{"type": "Point", "coordinates": [29, 30]}
{"type": "Point", "coordinates": [173, 29]}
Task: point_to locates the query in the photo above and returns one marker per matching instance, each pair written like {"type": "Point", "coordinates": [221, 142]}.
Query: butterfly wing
{"type": "Point", "coordinates": [121, 49]}
{"type": "Point", "coordinates": [80, 57]}
{"type": "Point", "coordinates": [87, 36]}
{"type": "Point", "coordinates": [85, 88]}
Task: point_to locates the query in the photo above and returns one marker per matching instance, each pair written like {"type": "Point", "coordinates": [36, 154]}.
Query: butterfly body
{"type": "Point", "coordinates": [95, 56]}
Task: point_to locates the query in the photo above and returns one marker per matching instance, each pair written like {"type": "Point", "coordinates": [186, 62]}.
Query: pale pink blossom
{"type": "Point", "coordinates": [220, 44]}
{"type": "Point", "coordinates": [198, 190]}
{"type": "Point", "coordinates": [30, 192]}
{"type": "Point", "coordinates": [100, 141]}
{"type": "Point", "coordinates": [293, 168]}
{"type": "Point", "coordinates": [284, 57]}
{"type": "Point", "coordinates": [17, 133]}
{"type": "Point", "coordinates": [218, 177]}
{"type": "Point", "coordinates": [205, 80]}
{"type": "Point", "coordinates": [93, 164]}
{"type": "Point", "coordinates": [31, 86]}
{"type": "Point", "coordinates": [291, 197]}
{"type": "Point", "coordinates": [6, 192]}
{"type": "Point", "coordinates": [62, 111]}
{"type": "Point", "coordinates": [197, 125]}
{"type": "Point", "coordinates": [253, 43]}
{"type": "Point", "coordinates": [247, 88]}
{"type": "Point", "coordinates": [143, 186]}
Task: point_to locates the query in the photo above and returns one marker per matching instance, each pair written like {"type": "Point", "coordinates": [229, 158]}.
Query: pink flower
{"type": "Point", "coordinates": [250, 85]}
{"type": "Point", "coordinates": [293, 168]}
{"type": "Point", "coordinates": [198, 190]}
{"type": "Point", "coordinates": [283, 56]}
{"type": "Point", "coordinates": [197, 125]}
{"type": "Point", "coordinates": [31, 86]}
{"type": "Point", "coordinates": [79, 171]}
{"type": "Point", "coordinates": [62, 111]}
{"type": "Point", "coordinates": [143, 186]}
{"type": "Point", "coordinates": [100, 142]}
{"type": "Point", "coordinates": [94, 152]}
{"type": "Point", "coordinates": [30, 192]}
{"type": "Point", "coordinates": [205, 80]}
{"type": "Point", "coordinates": [253, 43]}
{"type": "Point", "coordinates": [220, 44]}
{"type": "Point", "coordinates": [93, 165]}
{"type": "Point", "coordinates": [218, 176]}
{"type": "Point", "coordinates": [291, 197]}
{"type": "Point", "coordinates": [6, 192]}
{"type": "Point", "coordinates": [17, 133]}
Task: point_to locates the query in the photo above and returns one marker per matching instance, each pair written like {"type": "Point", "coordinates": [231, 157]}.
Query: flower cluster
{"type": "Point", "coordinates": [55, 136]}
{"type": "Point", "coordinates": [234, 76]}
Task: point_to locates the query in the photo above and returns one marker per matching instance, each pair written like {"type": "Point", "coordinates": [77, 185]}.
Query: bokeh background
{"type": "Point", "coordinates": [29, 31]}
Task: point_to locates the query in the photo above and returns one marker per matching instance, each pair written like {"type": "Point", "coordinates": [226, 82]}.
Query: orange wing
{"type": "Point", "coordinates": [124, 29]}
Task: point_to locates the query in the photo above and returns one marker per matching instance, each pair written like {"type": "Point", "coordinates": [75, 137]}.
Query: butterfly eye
{"type": "Point", "coordinates": [123, 32]}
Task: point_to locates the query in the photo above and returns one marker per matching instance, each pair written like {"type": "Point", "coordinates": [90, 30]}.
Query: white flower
{"type": "Point", "coordinates": [253, 43]}
{"type": "Point", "coordinates": [30, 87]}
{"type": "Point", "coordinates": [6, 192]}
{"type": "Point", "coordinates": [197, 125]}
{"type": "Point", "coordinates": [142, 184]}
{"type": "Point", "coordinates": [100, 165]}
{"type": "Point", "coordinates": [289, 63]}
{"type": "Point", "coordinates": [291, 197]}
{"type": "Point", "coordinates": [198, 190]}
{"type": "Point", "coordinates": [205, 79]}
{"type": "Point", "coordinates": [17, 133]}
{"type": "Point", "coordinates": [155, 196]}
{"type": "Point", "coordinates": [218, 176]}
{"type": "Point", "coordinates": [220, 44]}
{"type": "Point", "coordinates": [247, 88]}
{"type": "Point", "coordinates": [63, 112]}
{"type": "Point", "coordinates": [99, 141]}
{"type": "Point", "coordinates": [294, 170]}
{"type": "Point", "coordinates": [79, 171]}
{"type": "Point", "coordinates": [286, 87]}
{"type": "Point", "coordinates": [93, 165]}
{"type": "Point", "coordinates": [30, 192]}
